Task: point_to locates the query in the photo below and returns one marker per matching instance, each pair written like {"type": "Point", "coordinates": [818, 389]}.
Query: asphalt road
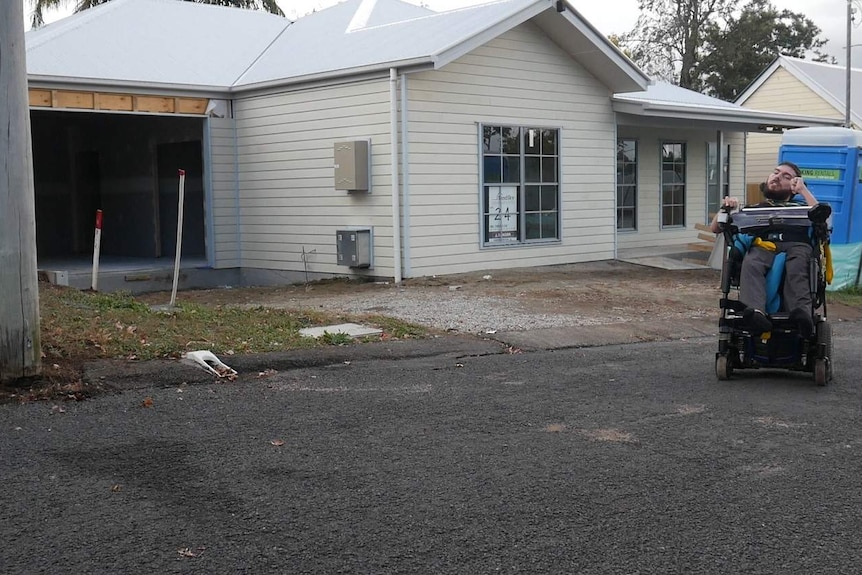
{"type": "Point", "coordinates": [616, 459]}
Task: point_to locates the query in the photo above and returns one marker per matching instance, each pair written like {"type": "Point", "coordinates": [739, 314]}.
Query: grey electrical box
{"type": "Point", "coordinates": [354, 247]}
{"type": "Point", "coordinates": [351, 166]}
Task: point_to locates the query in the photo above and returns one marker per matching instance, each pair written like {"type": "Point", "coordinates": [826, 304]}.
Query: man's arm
{"type": "Point", "coordinates": [729, 201]}
{"type": "Point", "coordinates": [798, 187]}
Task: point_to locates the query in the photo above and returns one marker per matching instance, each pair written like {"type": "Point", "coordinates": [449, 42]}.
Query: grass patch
{"type": "Point", "coordinates": [851, 296]}
{"type": "Point", "coordinates": [80, 326]}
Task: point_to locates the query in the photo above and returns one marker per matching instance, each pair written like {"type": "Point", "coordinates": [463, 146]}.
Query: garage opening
{"type": "Point", "coordinates": [127, 166]}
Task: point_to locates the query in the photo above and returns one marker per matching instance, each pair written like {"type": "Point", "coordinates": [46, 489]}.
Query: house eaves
{"type": "Point", "coordinates": [668, 103]}
{"type": "Point", "coordinates": [746, 119]}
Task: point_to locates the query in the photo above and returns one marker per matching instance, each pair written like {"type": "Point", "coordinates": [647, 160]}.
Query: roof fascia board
{"type": "Point", "coordinates": [460, 48]}
{"type": "Point", "coordinates": [336, 76]}
{"type": "Point", "coordinates": [606, 46]}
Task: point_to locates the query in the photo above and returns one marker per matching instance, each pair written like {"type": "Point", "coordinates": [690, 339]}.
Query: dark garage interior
{"type": "Point", "coordinates": [127, 166]}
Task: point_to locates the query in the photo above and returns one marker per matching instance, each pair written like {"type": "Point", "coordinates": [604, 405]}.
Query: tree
{"type": "Point", "coordinates": [713, 46]}
{"type": "Point", "coordinates": [40, 6]}
{"type": "Point", "coordinates": [20, 348]}
{"type": "Point", "coordinates": [667, 38]}
{"type": "Point", "coordinates": [736, 53]}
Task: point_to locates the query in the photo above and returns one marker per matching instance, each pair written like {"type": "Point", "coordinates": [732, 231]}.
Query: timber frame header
{"type": "Point", "coordinates": [112, 102]}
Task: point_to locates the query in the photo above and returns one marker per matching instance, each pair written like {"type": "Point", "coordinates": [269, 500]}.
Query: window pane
{"type": "Point", "coordinates": [532, 169]}
{"type": "Point", "coordinates": [534, 226]}
{"type": "Point", "coordinates": [549, 142]}
{"type": "Point", "coordinates": [549, 169]}
{"type": "Point", "coordinates": [511, 140]}
{"type": "Point", "coordinates": [531, 198]}
{"type": "Point", "coordinates": [512, 169]}
{"type": "Point", "coordinates": [491, 140]}
{"type": "Point", "coordinates": [549, 225]}
{"type": "Point", "coordinates": [666, 216]}
{"type": "Point", "coordinates": [549, 198]}
{"type": "Point", "coordinates": [625, 219]}
{"type": "Point", "coordinates": [493, 169]}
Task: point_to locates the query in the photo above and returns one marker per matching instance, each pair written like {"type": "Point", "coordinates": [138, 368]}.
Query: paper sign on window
{"type": "Point", "coordinates": [503, 217]}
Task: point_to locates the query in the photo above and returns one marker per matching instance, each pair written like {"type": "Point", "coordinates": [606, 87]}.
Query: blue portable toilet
{"type": "Point", "coordinates": [831, 164]}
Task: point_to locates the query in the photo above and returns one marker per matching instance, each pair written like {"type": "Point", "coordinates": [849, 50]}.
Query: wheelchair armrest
{"type": "Point", "coordinates": [819, 213]}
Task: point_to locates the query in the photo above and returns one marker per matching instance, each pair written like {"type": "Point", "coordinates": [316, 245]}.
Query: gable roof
{"type": "Point", "coordinates": [826, 80]}
{"type": "Point", "coordinates": [664, 102]}
{"type": "Point", "coordinates": [170, 44]}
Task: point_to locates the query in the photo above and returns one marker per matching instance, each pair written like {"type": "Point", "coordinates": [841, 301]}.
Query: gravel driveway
{"type": "Point", "coordinates": [588, 294]}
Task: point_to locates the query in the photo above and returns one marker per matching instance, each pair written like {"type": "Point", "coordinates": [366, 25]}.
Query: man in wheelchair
{"type": "Point", "coordinates": [780, 190]}
{"type": "Point", "coordinates": [775, 255]}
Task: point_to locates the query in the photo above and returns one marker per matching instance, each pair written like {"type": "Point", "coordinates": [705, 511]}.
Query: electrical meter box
{"type": "Point", "coordinates": [354, 247]}
{"type": "Point", "coordinates": [352, 164]}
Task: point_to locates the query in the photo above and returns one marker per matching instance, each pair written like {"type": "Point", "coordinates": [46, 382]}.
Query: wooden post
{"type": "Point", "coordinates": [20, 346]}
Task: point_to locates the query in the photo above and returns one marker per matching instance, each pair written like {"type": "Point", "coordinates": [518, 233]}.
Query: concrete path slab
{"type": "Point", "coordinates": [351, 329]}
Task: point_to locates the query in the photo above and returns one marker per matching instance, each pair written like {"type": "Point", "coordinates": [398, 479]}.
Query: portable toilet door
{"type": "Point", "coordinates": [831, 165]}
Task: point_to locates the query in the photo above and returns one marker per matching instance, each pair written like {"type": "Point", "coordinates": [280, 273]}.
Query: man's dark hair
{"type": "Point", "coordinates": [793, 167]}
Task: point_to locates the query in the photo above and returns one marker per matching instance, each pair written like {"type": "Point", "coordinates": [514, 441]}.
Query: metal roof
{"type": "Point", "coordinates": [665, 102]}
{"type": "Point", "coordinates": [152, 43]}
{"type": "Point", "coordinates": [826, 80]}
{"type": "Point", "coordinates": [190, 46]}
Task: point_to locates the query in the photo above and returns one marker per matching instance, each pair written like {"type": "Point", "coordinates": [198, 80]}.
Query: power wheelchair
{"type": "Point", "coordinates": [784, 347]}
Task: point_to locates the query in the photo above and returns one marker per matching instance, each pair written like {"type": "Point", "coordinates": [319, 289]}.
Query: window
{"type": "Point", "coordinates": [672, 184]}
{"type": "Point", "coordinates": [713, 193]}
{"type": "Point", "coordinates": [627, 184]}
{"type": "Point", "coordinates": [521, 184]}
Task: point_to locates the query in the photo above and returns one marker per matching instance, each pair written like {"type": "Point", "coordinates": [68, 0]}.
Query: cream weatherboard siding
{"type": "Point", "coordinates": [288, 201]}
{"type": "Point", "coordinates": [781, 92]}
{"type": "Point", "coordinates": [520, 78]}
{"type": "Point", "coordinates": [649, 232]}
{"type": "Point", "coordinates": [223, 198]}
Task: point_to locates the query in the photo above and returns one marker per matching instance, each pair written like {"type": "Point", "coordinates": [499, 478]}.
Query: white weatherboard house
{"type": "Point", "coordinates": [516, 133]}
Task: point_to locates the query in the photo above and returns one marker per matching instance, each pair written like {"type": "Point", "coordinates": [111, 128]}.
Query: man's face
{"type": "Point", "coordinates": [779, 183]}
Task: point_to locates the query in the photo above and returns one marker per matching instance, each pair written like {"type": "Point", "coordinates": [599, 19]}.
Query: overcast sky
{"type": "Point", "coordinates": [619, 16]}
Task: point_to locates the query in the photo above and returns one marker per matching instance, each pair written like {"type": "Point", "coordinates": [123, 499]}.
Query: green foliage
{"type": "Point", "coordinates": [736, 53]}
{"type": "Point", "coordinates": [715, 47]}
{"type": "Point", "coordinates": [336, 338]}
{"type": "Point", "coordinates": [667, 38]}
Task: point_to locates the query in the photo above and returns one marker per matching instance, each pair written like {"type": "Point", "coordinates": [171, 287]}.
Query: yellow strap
{"type": "Point", "coordinates": [761, 243]}
{"type": "Point", "coordinates": [830, 271]}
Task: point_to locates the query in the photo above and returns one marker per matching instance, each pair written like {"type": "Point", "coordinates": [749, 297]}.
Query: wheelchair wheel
{"type": "Point", "coordinates": [823, 365]}
{"type": "Point", "coordinates": [821, 371]}
{"type": "Point", "coordinates": [723, 367]}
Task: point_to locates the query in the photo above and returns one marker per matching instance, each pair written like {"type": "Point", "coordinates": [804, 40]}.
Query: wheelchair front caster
{"type": "Point", "coordinates": [723, 367]}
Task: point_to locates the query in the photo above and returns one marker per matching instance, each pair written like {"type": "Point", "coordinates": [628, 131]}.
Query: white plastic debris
{"type": "Point", "coordinates": [486, 277]}
{"type": "Point", "coordinates": [207, 361]}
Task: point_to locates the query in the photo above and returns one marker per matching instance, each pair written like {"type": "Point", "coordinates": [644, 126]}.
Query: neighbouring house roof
{"type": "Point", "coordinates": [826, 80]}
{"type": "Point", "coordinates": [190, 46]}
{"type": "Point", "coordinates": [664, 102]}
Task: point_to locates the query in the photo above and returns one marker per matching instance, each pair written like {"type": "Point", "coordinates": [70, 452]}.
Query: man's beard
{"type": "Point", "coordinates": [774, 195]}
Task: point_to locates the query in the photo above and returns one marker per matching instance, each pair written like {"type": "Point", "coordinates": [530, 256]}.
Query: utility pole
{"type": "Point", "coordinates": [20, 346]}
{"type": "Point", "coordinates": [847, 122]}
